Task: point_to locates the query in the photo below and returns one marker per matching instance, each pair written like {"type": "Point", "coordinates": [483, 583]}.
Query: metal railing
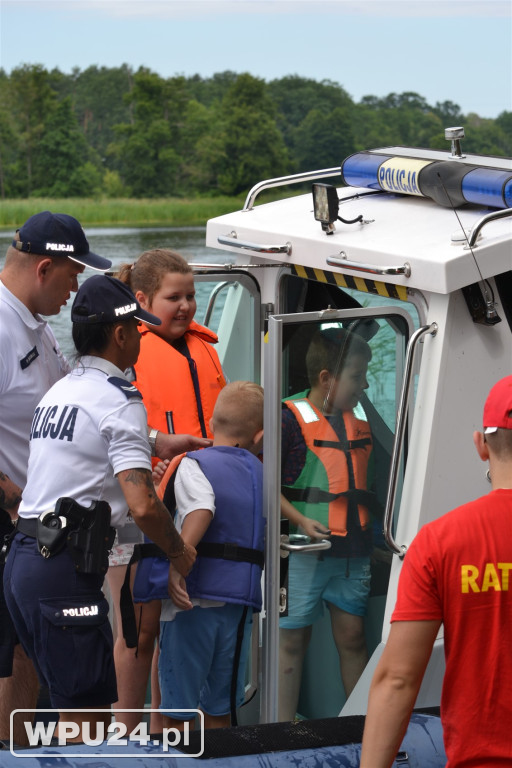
{"type": "Point", "coordinates": [401, 421]}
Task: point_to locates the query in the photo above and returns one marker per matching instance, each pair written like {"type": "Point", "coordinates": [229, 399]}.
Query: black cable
{"type": "Point", "coordinates": [351, 221]}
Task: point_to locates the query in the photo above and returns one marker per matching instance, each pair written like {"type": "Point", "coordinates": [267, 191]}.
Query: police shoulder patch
{"type": "Point", "coordinates": [125, 386]}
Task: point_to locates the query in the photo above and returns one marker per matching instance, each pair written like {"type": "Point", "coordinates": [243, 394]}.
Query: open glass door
{"type": "Point", "coordinates": [332, 383]}
{"type": "Point", "coordinates": [229, 303]}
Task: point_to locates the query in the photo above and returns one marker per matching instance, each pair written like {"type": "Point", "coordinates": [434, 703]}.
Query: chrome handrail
{"type": "Point", "coordinates": [236, 243]}
{"type": "Point", "coordinates": [211, 301]}
{"type": "Point", "coordinates": [355, 266]}
{"type": "Point", "coordinates": [281, 181]}
{"type": "Point", "coordinates": [251, 685]}
{"type": "Point", "coordinates": [494, 216]}
{"type": "Point", "coordinates": [401, 421]}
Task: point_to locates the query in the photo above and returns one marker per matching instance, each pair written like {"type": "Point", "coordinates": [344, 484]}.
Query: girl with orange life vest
{"type": "Point", "coordinates": [325, 455]}
{"type": "Point", "coordinates": [179, 376]}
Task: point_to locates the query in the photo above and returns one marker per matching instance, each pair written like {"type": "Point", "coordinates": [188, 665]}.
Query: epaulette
{"type": "Point", "coordinates": [125, 386]}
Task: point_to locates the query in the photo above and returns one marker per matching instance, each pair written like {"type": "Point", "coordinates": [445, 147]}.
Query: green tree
{"type": "Point", "coordinates": [449, 113]}
{"type": "Point", "coordinates": [485, 136]}
{"type": "Point", "coordinates": [247, 143]}
{"type": "Point", "coordinates": [209, 91]}
{"type": "Point", "coordinates": [33, 101]}
{"type": "Point", "coordinates": [140, 134]}
{"type": "Point", "coordinates": [295, 97]}
{"type": "Point", "coordinates": [9, 140]}
{"type": "Point", "coordinates": [147, 148]}
{"type": "Point", "coordinates": [398, 119]}
{"type": "Point", "coordinates": [98, 95]}
{"type": "Point", "coordinates": [197, 153]}
{"type": "Point", "coordinates": [323, 139]}
{"type": "Point", "coordinates": [64, 166]}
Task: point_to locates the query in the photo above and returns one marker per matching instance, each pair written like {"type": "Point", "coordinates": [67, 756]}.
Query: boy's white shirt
{"type": "Point", "coordinates": [192, 491]}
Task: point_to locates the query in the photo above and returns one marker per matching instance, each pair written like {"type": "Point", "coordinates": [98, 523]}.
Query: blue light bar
{"type": "Point", "coordinates": [447, 182]}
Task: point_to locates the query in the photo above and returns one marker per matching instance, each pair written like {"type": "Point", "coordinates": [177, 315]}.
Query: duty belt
{"type": "Point", "coordinates": [27, 526]}
{"type": "Point", "coordinates": [85, 531]}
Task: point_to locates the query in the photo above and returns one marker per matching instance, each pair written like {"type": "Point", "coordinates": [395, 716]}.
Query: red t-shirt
{"type": "Point", "coordinates": [459, 570]}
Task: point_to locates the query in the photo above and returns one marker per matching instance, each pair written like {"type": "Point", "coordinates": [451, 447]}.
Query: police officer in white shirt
{"type": "Point", "coordinates": [89, 454]}
{"type": "Point", "coordinates": [41, 268]}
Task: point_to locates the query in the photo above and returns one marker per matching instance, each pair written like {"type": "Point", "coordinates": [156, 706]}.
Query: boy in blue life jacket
{"type": "Point", "coordinates": [325, 454]}
{"type": "Point", "coordinates": [205, 629]}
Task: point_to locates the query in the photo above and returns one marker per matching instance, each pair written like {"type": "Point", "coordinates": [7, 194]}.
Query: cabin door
{"type": "Point", "coordinates": [328, 450]}
{"type": "Point", "coordinates": [229, 303]}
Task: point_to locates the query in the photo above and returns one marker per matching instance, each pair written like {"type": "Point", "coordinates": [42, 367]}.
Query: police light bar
{"type": "Point", "coordinates": [448, 183]}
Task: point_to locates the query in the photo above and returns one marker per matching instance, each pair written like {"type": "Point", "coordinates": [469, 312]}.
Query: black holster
{"type": "Point", "coordinates": [87, 534]}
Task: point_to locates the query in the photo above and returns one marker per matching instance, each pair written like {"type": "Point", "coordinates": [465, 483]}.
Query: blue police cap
{"type": "Point", "coordinates": [57, 234]}
{"type": "Point", "coordinates": [105, 299]}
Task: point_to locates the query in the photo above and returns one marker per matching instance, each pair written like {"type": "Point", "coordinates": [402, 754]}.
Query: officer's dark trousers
{"type": "Point", "coordinates": [61, 618]}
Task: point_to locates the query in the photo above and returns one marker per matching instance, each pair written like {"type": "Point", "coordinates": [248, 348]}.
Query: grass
{"type": "Point", "coordinates": [170, 212]}
{"type": "Point", "coordinates": [128, 212]}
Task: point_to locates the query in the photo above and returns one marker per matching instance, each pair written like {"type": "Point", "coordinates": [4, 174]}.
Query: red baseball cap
{"type": "Point", "coordinates": [498, 406]}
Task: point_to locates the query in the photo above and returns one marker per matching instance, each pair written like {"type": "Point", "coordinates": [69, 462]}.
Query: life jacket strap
{"type": "Point", "coordinates": [130, 633]}
{"type": "Point", "coordinates": [228, 551]}
{"type": "Point", "coordinates": [318, 496]}
{"type": "Point", "coordinates": [343, 445]}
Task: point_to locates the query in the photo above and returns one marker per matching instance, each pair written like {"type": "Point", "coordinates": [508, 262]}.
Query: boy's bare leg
{"type": "Point", "coordinates": [170, 722]}
{"type": "Point", "coordinates": [293, 644]}
{"type": "Point", "coordinates": [210, 721]}
{"type": "Point", "coordinates": [132, 671]}
{"type": "Point", "coordinates": [155, 721]}
{"type": "Point", "coordinates": [217, 721]}
{"type": "Point", "coordinates": [348, 634]}
{"type": "Point", "coordinates": [19, 691]}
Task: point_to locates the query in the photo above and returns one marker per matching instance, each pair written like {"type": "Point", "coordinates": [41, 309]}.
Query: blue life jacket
{"type": "Point", "coordinates": [230, 555]}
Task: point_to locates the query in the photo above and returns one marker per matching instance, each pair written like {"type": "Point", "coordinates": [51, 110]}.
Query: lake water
{"type": "Point", "coordinates": [122, 245]}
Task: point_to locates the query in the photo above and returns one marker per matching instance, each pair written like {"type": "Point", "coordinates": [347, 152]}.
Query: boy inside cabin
{"type": "Point", "coordinates": [325, 454]}
{"type": "Point", "coordinates": [205, 629]}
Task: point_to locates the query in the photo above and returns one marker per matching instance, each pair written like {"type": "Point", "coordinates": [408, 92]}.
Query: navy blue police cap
{"type": "Point", "coordinates": [57, 234]}
{"type": "Point", "coordinates": [105, 299]}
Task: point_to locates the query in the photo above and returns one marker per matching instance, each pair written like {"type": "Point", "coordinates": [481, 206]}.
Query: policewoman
{"type": "Point", "coordinates": [90, 462]}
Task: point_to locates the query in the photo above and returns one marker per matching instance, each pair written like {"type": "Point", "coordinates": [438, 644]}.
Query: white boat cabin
{"type": "Point", "coordinates": [412, 248]}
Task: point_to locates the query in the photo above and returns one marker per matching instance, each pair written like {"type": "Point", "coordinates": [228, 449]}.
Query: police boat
{"type": "Point", "coordinates": [412, 249]}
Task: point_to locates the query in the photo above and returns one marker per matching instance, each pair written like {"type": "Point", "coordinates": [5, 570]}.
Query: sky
{"type": "Point", "coordinates": [444, 50]}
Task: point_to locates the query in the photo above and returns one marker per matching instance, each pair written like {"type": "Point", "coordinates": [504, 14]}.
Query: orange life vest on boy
{"type": "Point", "coordinates": [334, 474]}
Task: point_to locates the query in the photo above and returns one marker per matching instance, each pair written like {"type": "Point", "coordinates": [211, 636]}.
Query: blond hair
{"type": "Point", "coordinates": [238, 412]}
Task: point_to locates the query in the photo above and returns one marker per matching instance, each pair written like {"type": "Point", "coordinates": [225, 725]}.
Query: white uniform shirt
{"type": "Point", "coordinates": [30, 363]}
{"type": "Point", "coordinates": [85, 430]}
{"type": "Point", "coordinates": [192, 491]}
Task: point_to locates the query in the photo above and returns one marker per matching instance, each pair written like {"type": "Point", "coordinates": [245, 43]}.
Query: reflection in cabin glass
{"type": "Point", "coordinates": [340, 389]}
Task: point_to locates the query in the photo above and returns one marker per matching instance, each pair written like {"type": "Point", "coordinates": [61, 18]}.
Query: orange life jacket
{"type": "Point", "coordinates": [335, 471]}
{"type": "Point", "coordinates": [168, 474]}
{"type": "Point", "coordinates": [164, 377]}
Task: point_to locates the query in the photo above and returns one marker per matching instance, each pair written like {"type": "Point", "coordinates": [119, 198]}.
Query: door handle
{"type": "Point", "coordinates": [299, 543]}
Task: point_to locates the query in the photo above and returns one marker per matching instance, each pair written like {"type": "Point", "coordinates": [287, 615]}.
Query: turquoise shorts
{"type": "Point", "coordinates": [195, 666]}
{"type": "Point", "coordinates": [313, 581]}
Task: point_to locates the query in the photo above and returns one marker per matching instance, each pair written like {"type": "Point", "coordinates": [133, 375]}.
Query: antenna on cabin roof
{"type": "Point", "coordinates": [491, 313]}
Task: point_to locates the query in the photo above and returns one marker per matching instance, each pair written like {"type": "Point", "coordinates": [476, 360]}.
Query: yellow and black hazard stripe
{"type": "Point", "coordinates": [387, 290]}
